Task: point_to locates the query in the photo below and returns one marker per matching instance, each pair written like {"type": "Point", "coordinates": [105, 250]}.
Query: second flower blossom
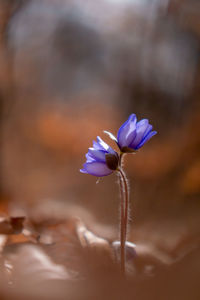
{"type": "Point", "coordinates": [101, 159]}
{"type": "Point", "coordinates": [132, 135]}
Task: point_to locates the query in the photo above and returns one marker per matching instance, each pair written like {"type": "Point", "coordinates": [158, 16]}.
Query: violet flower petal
{"type": "Point", "coordinates": [97, 146]}
{"type": "Point", "coordinates": [89, 158]}
{"type": "Point", "coordinates": [146, 138]}
{"type": "Point", "coordinates": [141, 127]}
{"type": "Point", "coordinates": [98, 155]}
{"type": "Point", "coordinates": [104, 145]}
{"type": "Point", "coordinates": [98, 169]}
{"type": "Point", "coordinates": [149, 128]}
{"type": "Point", "coordinates": [126, 132]}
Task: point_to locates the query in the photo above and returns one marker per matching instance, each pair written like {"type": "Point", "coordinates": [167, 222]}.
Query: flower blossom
{"type": "Point", "coordinates": [101, 160]}
{"type": "Point", "coordinates": [132, 135]}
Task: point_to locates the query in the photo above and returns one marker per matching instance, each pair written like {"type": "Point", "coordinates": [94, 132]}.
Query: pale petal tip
{"type": "Point", "coordinates": [110, 135]}
{"type": "Point", "coordinates": [83, 171]}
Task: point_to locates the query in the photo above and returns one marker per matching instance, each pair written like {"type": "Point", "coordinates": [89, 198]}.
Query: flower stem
{"type": "Point", "coordinates": [122, 226]}
{"type": "Point", "coordinates": [124, 216]}
{"type": "Point", "coordinates": [126, 201]}
{"type": "Point", "coordinates": [125, 190]}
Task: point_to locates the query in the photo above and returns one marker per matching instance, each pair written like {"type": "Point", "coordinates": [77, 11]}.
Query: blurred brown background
{"type": "Point", "coordinates": [70, 69]}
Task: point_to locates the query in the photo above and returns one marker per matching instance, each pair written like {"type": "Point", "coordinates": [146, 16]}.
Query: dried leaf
{"type": "Point", "coordinates": [30, 261]}
{"type": "Point", "coordinates": [3, 240]}
{"type": "Point", "coordinates": [89, 239]}
{"type": "Point", "coordinates": [12, 225]}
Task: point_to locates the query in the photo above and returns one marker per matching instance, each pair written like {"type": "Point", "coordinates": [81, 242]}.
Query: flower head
{"type": "Point", "coordinates": [101, 159]}
{"type": "Point", "coordinates": [132, 135]}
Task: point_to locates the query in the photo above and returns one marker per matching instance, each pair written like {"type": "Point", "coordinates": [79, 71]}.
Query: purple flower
{"type": "Point", "coordinates": [132, 135]}
{"type": "Point", "coordinates": [101, 160]}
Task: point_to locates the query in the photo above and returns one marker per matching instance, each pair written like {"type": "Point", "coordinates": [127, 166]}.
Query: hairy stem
{"type": "Point", "coordinates": [124, 216]}
{"type": "Point", "coordinates": [122, 226]}
{"type": "Point", "coordinates": [125, 190]}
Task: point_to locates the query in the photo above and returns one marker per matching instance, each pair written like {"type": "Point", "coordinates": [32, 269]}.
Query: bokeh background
{"type": "Point", "coordinates": [70, 69]}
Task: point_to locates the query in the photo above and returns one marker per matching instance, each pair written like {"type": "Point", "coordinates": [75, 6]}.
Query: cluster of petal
{"type": "Point", "coordinates": [102, 160]}
{"type": "Point", "coordinates": [132, 135]}
{"type": "Point", "coordinates": [96, 159]}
